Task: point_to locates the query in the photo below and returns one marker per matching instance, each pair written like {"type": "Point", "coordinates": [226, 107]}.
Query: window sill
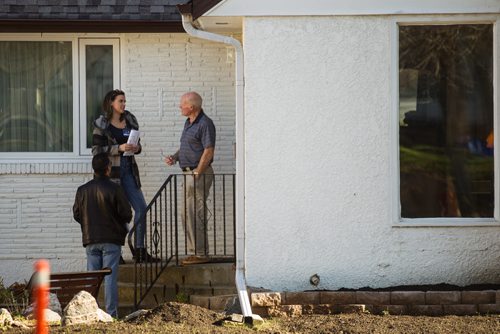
{"type": "Point", "coordinates": [36, 164]}
{"type": "Point", "coordinates": [447, 222]}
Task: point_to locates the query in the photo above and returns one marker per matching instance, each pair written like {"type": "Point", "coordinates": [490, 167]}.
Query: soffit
{"type": "Point", "coordinates": [350, 7]}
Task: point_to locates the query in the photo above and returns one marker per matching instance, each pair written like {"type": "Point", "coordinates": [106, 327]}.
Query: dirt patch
{"type": "Point", "coordinates": [180, 313]}
{"type": "Point", "coordinates": [390, 324]}
{"type": "Point", "coordinates": [184, 318]}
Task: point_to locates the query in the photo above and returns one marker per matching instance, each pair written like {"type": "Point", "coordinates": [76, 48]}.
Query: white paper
{"type": "Point", "coordinates": [133, 138]}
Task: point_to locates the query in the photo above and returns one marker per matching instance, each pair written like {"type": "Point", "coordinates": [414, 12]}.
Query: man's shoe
{"type": "Point", "coordinates": [142, 256]}
{"type": "Point", "coordinates": [195, 260]}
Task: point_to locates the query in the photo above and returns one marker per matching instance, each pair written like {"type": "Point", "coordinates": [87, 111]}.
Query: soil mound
{"type": "Point", "coordinates": [180, 313]}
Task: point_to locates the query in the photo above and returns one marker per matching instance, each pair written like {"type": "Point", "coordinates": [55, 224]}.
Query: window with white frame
{"type": "Point", "coordinates": [47, 104]}
{"type": "Point", "coordinates": [98, 75]}
{"type": "Point", "coordinates": [446, 121]}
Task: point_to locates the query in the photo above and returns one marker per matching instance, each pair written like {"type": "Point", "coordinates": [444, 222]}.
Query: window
{"type": "Point", "coordinates": [36, 102]}
{"type": "Point", "coordinates": [97, 66]}
{"type": "Point", "coordinates": [50, 93]}
{"type": "Point", "coordinates": [446, 121]}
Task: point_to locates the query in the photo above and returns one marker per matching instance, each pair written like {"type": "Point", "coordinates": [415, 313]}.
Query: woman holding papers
{"type": "Point", "coordinates": [115, 132]}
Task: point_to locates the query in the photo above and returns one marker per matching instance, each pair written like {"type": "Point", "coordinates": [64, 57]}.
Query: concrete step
{"type": "Point", "coordinates": [216, 303]}
{"type": "Point", "coordinates": [206, 274]}
{"type": "Point", "coordinates": [125, 309]}
{"type": "Point", "coordinates": [177, 283]}
{"type": "Point", "coordinates": [160, 293]}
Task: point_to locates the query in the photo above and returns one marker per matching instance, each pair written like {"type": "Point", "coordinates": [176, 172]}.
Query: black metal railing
{"type": "Point", "coordinates": [166, 237]}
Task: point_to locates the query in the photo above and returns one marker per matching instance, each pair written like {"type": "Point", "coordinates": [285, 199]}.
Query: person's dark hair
{"type": "Point", "coordinates": [106, 103]}
{"type": "Point", "coordinates": [100, 163]}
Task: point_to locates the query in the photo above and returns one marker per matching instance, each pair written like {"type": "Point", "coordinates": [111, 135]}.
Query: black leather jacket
{"type": "Point", "coordinates": [103, 211]}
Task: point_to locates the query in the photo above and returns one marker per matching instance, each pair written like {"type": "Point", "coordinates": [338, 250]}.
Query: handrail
{"type": "Point", "coordinates": [164, 223]}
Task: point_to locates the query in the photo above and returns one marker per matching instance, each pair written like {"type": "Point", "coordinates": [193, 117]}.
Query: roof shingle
{"type": "Point", "coordinates": [155, 10]}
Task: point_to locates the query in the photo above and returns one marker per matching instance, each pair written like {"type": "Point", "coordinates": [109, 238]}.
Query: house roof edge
{"type": "Point", "coordinates": [73, 26]}
{"type": "Point", "coordinates": [197, 7]}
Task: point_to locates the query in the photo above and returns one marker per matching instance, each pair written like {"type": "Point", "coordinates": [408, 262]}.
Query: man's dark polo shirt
{"type": "Point", "coordinates": [196, 137]}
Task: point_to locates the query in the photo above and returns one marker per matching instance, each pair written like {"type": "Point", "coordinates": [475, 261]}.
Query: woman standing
{"type": "Point", "coordinates": [111, 132]}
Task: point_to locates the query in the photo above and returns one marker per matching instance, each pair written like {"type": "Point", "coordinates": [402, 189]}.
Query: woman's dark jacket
{"type": "Point", "coordinates": [103, 211]}
{"type": "Point", "coordinates": [103, 141]}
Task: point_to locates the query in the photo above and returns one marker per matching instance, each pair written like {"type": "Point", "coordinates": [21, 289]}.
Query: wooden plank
{"type": "Point", "coordinates": [76, 282]}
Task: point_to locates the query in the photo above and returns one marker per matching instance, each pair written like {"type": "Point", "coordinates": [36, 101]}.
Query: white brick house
{"type": "Point", "coordinates": [154, 68]}
{"type": "Point", "coordinates": [328, 178]}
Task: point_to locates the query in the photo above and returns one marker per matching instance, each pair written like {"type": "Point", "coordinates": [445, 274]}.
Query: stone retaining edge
{"type": "Point", "coordinates": [432, 303]}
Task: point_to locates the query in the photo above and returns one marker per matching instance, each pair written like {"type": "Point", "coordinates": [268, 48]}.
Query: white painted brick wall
{"type": "Point", "coordinates": [160, 68]}
{"type": "Point", "coordinates": [156, 69]}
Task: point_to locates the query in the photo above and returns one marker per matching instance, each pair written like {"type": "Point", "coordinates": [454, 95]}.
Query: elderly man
{"type": "Point", "coordinates": [195, 157]}
{"type": "Point", "coordinates": [103, 211]}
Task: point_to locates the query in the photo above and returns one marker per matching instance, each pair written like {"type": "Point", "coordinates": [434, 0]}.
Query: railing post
{"type": "Point", "coordinates": [176, 223]}
{"type": "Point", "coordinates": [147, 273]}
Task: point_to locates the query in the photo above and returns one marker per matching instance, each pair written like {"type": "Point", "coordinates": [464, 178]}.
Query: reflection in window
{"type": "Point", "coordinates": [446, 121]}
{"type": "Point", "coordinates": [36, 97]}
{"type": "Point", "coordinates": [99, 81]}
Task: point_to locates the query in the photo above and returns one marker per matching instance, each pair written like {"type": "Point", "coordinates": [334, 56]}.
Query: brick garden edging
{"type": "Point", "coordinates": [433, 303]}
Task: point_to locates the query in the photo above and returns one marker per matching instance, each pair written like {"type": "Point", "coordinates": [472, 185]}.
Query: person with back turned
{"type": "Point", "coordinates": [103, 212]}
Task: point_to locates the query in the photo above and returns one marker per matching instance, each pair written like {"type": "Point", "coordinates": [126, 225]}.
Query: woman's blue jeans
{"type": "Point", "coordinates": [136, 199]}
{"type": "Point", "coordinates": [104, 255]}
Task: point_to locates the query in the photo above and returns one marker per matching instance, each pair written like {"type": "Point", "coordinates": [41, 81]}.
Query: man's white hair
{"type": "Point", "coordinates": [193, 99]}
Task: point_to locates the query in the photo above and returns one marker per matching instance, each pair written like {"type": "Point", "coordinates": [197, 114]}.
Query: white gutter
{"type": "Point", "coordinates": [187, 23]}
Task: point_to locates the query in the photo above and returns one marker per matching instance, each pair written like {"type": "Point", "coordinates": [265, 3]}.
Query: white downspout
{"type": "Point", "coordinates": [187, 23]}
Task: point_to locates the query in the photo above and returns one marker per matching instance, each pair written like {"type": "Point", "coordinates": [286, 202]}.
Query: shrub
{"type": "Point", "coordinates": [15, 298]}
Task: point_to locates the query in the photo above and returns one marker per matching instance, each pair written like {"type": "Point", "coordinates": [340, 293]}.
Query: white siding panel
{"type": "Point", "coordinates": [318, 165]}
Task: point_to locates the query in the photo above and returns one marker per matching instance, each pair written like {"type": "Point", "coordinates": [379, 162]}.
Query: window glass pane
{"type": "Point", "coordinates": [36, 97]}
{"type": "Point", "coordinates": [99, 81]}
{"type": "Point", "coordinates": [446, 121]}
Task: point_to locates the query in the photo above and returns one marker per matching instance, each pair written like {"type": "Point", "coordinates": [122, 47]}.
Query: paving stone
{"type": "Point", "coordinates": [237, 317]}
{"type": "Point", "coordinates": [202, 301]}
{"type": "Point", "coordinates": [262, 311]}
{"type": "Point", "coordinates": [478, 297]}
{"type": "Point", "coordinates": [318, 309]}
{"type": "Point", "coordinates": [219, 302]}
{"type": "Point", "coordinates": [407, 298]}
{"type": "Point", "coordinates": [442, 297]}
{"type": "Point", "coordinates": [462, 309]}
{"type": "Point", "coordinates": [350, 308]}
{"type": "Point", "coordinates": [337, 297]}
{"type": "Point", "coordinates": [390, 309]}
{"type": "Point", "coordinates": [266, 299]}
{"type": "Point", "coordinates": [489, 308]}
{"type": "Point", "coordinates": [432, 310]}
{"type": "Point", "coordinates": [373, 298]}
{"type": "Point", "coordinates": [300, 298]}
{"type": "Point", "coordinates": [285, 311]}
{"type": "Point", "coordinates": [307, 309]}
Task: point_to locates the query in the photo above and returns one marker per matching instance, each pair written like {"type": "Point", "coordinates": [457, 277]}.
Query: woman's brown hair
{"type": "Point", "coordinates": [106, 104]}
